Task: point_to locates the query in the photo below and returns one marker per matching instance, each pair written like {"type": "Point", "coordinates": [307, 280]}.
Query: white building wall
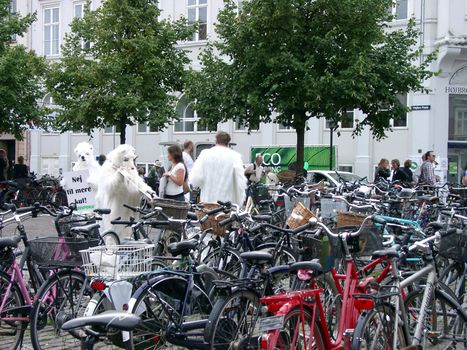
{"type": "Point", "coordinates": [443, 22]}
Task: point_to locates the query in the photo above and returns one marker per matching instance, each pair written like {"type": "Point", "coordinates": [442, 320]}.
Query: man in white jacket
{"type": "Point", "coordinates": [219, 173]}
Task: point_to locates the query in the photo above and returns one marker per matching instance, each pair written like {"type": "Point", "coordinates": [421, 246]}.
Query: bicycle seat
{"type": "Point", "coordinates": [10, 241]}
{"type": "Point", "coordinates": [257, 257]}
{"type": "Point", "coordinates": [392, 252]}
{"type": "Point", "coordinates": [102, 211]}
{"type": "Point", "coordinates": [119, 320]}
{"type": "Point", "coordinates": [182, 248]}
{"type": "Point", "coordinates": [191, 216]}
{"type": "Point", "coordinates": [85, 228]}
{"type": "Point", "coordinates": [313, 265]}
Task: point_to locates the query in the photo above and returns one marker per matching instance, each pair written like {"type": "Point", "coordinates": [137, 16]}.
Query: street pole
{"type": "Point", "coordinates": [331, 144]}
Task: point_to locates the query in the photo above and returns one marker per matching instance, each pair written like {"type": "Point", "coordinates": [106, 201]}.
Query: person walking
{"type": "Point", "coordinates": [254, 172]}
{"type": "Point", "coordinates": [3, 165]}
{"type": "Point", "coordinates": [397, 173]}
{"type": "Point", "coordinates": [427, 170]}
{"type": "Point", "coordinates": [218, 173]}
{"type": "Point", "coordinates": [188, 155]}
{"type": "Point", "coordinates": [176, 175]}
{"type": "Point", "coordinates": [382, 171]}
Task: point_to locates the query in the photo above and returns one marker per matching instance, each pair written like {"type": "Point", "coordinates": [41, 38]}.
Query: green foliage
{"type": "Point", "coordinates": [308, 58]}
{"type": "Point", "coordinates": [119, 67]}
{"type": "Point", "coordinates": [20, 75]}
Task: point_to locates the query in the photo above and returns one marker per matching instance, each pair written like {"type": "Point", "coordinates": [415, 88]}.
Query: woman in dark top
{"type": "Point", "coordinates": [20, 170]}
{"type": "Point", "coordinates": [383, 171]}
{"type": "Point", "coordinates": [408, 171]}
{"type": "Point", "coordinates": [398, 174]}
{"type": "Point", "coordinates": [3, 165]}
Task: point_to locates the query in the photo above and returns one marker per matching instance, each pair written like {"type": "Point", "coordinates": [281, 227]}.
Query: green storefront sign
{"type": "Point", "coordinates": [280, 157]}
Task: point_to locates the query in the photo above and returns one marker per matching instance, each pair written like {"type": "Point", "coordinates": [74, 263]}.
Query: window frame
{"type": "Point", "coordinates": [49, 27]}
{"type": "Point", "coordinates": [401, 127]}
{"type": "Point", "coordinates": [195, 120]}
{"type": "Point", "coordinates": [339, 124]}
{"type": "Point", "coordinates": [53, 115]}
{"type": "Point", "coordinates": [197, 6]}
{"type": "Point", "coordinates": [147, 131]}
{"type": "Point", "coordinates": [283, 129]}
{"type": "Point", "coordinates": [394, 8]}
{"type": "Point", "coordinates": [113, 132]}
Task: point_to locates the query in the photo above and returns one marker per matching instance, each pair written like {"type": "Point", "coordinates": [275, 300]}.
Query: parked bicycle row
{"type": "Point", "coordinates": [299, 267]}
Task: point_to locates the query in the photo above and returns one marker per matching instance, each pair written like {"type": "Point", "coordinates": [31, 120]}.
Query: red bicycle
{"type": "Point", "coordinates": [299, 317]}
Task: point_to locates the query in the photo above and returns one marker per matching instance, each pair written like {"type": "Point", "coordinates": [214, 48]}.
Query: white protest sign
{"type": "Point", "coordinates": [78, 190]}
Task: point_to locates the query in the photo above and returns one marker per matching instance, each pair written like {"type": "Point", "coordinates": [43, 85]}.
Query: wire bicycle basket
{"type": "Point", "coordinates": [113, 262]}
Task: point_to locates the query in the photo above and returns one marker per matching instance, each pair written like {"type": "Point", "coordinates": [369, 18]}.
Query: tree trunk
{"type": "Point", "coordinates": [122, 131]}
{"type": "Point", "coordinates": [300, 131]}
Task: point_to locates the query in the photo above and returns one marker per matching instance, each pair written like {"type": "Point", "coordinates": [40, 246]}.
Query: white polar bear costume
{"type": "Point", "coordinates": [114, 189]}
{"type": "Point", "coordinates": [86, 160]}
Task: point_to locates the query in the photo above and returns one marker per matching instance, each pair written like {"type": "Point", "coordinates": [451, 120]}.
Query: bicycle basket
{"type": "Point", "coordinates": [59, 251]}
{"type": "Point", "coordinates": [454, 247]}
{"type": "Point", "coordinates": [315, 248]}
{"type": "Point", "coordinates": [118, 261]}
{"type": "Point", "coordinates": [300, 216]}
{"type": "Point", "coordinates": [173, 209]}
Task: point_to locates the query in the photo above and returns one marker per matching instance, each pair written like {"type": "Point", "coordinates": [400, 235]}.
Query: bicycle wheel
{"type": "Point", "coordinates": [225, 259]}
{"type": "Point", "coordinates": [297, 332]}
{"type": "Point", "coordinates": [453, 276]}
{"type": "Point", "coordinates": [11, 332]}
{"type": "Point", "coordinates": [159, 303]}
{"type": "Point", "coordinates": [445, 321]}
{"type": "Point", "coordinates": [375, 330]}
{"type": "Point", "coordinates": [233, 321]}
{"type": "Point", "coordinates": [61, 298]}
{"type": "Point", "coordinates": [110, 238]}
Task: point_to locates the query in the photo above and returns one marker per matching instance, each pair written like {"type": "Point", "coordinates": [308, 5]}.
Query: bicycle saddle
{"type": "Point", "coordinates": [10, 241]}
{"type": "Point", "coordinates": [392, 252]}
{"type": "Point", "coordinates": [85, 228]}
{"type": "Point", "coordinates": [182, 248]}
{"type": "Point", "coordinates": [313, 265]}
{"type": "Point", "coordinates": [257, 257]}
{"type": "Point", "coordinates": [119, 320]}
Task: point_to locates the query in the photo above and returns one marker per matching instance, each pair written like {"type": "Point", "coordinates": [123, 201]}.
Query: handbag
{"type": "Point", "coordinates": [186, 187]}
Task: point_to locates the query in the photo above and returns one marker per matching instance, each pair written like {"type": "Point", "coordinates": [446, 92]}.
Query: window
{"type": "Point", "coordinates": [240, 5]}
{"type": "Point", "coordinates": [51, 31]}
{"type": "Point", "coordinates": [400, 9]}
{"type": "Point", "coordinates": [346, 122]}
{"type": "Point", "coordinates": [79, 8]}
{"type": "Point", "coordinates": [401, 122]}
{"type": "Point", "coordinates": [239, 125]}
{"type": "Point", "coordinates": [458, 117]}
{"type": "Point", "coordinates": [347, 168]}
{"type": "Point", "coordinates": [197, 11]}
{"type": "Point", "coordinates": [188, 118]}
{"type": "Point", "coordinates": [145, 128]}
{"type": "Point", "coordinates": [283, 127]}
{"type": "Point", "coordinates": [111, 129]}
{"type": "Point", "coordinates": [49, 103]}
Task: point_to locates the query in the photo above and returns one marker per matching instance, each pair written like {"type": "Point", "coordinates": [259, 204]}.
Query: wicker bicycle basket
{"type": "Point", "coordinates": [299, 216]}
{"type": "Point", "coordinates": [346, 219]}
{"type": "Point", "coordinates": [286, 176]}
{"type": "Point", "coordinates": [212, 222]}
{"type": "Point", "coordinates": [173, 209]}
{"type": "Point", "coordinates": [60, 251]}
{"type": "Point", "coordinates": [454, 247]}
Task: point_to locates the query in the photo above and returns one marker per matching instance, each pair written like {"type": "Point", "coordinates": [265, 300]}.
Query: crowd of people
{"type": "Point", "coordinates": [10, 170]}
{"type": "Point", "coordinates": [398, 175]}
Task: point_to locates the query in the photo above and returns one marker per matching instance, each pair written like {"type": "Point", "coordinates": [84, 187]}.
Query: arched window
{"type": "Point", "coordinates": [188, 117]}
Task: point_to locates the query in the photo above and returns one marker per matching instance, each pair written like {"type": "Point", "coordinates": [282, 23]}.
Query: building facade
{"type": "Point", "coordinates": [437, 121]}
{"type": "Point", "coordinates": [8, 142]}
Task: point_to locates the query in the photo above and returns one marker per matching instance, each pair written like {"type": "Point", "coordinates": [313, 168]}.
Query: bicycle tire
{"type": "Point", "coordinates": [225, 259]}
{"type": "Point", "coordinates": [284, 339]}
{"type": "Point", "coordinates": [453, 277]}
{"type": "Point", "coordinates": [448, 317]}
{"type": "Point", "coordinates": [219, 328]}
{"type": "Point", "coordinates": [110, 238]}
{"type": "Point", "coordinates": [55, 304]}
{"type": "Point", "coordinates": [285, 257]}
{"type": "Point", "coordinates": [16, 300]}
{"type": "Point", "coordinates": [365, 333]}
{"type": "Point", "coordinates": [152, 302]}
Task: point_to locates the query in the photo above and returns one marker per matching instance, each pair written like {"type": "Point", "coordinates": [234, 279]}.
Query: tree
{"type": "Point", "coordinates": [119, 67]}
{"type": "Point", "coordinates": [308, 58]}
{"type": "Point", "coordinates": [20, 75]}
